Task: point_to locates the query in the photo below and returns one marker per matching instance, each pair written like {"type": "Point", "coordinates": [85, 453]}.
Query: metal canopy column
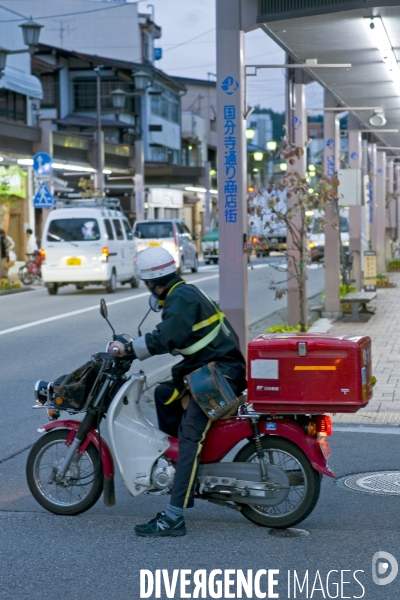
{"type": "Point", "coordinates": [332, 245]}
{"type": "Point", "coordinates": [381, 212]}
{"type": "Point", "coordinates": [232, 207]}
{"type": "Point", "coordinates": [300, 138]}
{"type": "Point", "coordinates": [355, 212]}
{"type": "Point", "coordinates": [391, 212]}
{"type": "Point", "coordinates": [372, 168]}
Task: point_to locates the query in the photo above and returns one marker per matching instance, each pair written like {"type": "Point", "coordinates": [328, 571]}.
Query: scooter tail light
{"type": "Point", "coordinates": [105, 254]}
{"type": "Point", "coordinates": [324, 425]}
{"type": "Point", "coordinates": [43, 255]}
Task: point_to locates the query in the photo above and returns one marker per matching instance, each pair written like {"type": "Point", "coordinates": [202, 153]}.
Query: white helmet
{"type": "Point", "coordinates": [153, 263]}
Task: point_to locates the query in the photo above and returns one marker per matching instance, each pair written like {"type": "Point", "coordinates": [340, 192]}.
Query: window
{"type": "Point", "coordinates": [128, 230]}
{"type": "Point", "coordinates": [109, 229]}
{"type": "Point", "coordinates": [118, 229]}
{"type": "Point", "coordinates": [85, 94]}
{"type": "Point", "coordinates": [183, 230]}
{"type": "Point", "coordinates": [171, 213]}
{"type": "Point", "coordinates": [151, 229]}
{"type": "Point", "coordinates": [12, 106]}
{"type": "Point", "coordinates": [166, 105]}
{"type": "Point", "coordinates": [344, 225]}
{"type": "Point", "coordinates": [73, 230]}
{"type": "Point", "coordinates": [50, 91]}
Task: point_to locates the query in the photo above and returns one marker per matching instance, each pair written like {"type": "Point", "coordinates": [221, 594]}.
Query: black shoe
{"type": "Point", "coordinates": [162, 526]}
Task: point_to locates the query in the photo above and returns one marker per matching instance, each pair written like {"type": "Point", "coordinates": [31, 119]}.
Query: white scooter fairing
{"type": "Point", "coordinates": [135, 443]}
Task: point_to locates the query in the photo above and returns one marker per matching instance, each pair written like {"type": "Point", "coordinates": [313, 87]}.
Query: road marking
{"type": "Point", "coordinates": [88, 309]}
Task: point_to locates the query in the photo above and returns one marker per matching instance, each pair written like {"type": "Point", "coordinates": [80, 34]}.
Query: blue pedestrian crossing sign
{"type": "Point", "coordinates": [43, 198]}
{"type": "Point", "coordinates": [42, 163]}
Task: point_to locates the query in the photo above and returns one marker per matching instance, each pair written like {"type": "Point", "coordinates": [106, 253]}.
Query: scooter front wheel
{"type": "Point", "coordinates": [81, 486]}
{"type": "Point", "coordinates": [304, 481]}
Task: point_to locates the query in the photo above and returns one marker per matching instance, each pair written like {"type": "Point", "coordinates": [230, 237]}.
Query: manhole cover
{"type": "Point", "coordinates": [288, 533]}
{"type": "Point", "coordinates": [382, 483]}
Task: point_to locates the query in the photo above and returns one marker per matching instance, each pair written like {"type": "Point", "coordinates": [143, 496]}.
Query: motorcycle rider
{"type": "Point", "coordinates": [191, 326]}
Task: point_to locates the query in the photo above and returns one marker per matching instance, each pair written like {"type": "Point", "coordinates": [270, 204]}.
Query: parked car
{"type": "Point", "coordinates": [171, 234]}
{"type": "Point", "coordinates": [316, 237]}
{"type": "Point", "coordinates": [88, 242]}
{"type": "Point", "coordinates": [210, 244]}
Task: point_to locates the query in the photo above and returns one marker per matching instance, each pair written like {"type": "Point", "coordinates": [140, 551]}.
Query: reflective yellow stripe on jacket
{"type": "Point", "coordinates": [210, 337]}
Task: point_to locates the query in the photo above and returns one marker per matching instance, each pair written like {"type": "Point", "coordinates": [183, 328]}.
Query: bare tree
{"type": "Point", "coordinates": [293, 216]}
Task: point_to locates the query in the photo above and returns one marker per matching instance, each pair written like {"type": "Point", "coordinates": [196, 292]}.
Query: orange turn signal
{"type": "Point", "coordinates": [105, 254]}
{"type": "Point", "coordinates": [43, 254]}
{"type": "Point", "coordinates": [311, 428]}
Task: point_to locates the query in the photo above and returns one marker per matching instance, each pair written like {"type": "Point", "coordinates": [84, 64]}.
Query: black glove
{"type": "Point", "coordinates": [129, 349]}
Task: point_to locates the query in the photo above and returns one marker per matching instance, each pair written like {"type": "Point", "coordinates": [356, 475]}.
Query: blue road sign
{"type": "Point", "coordinates": [43, 198]}
{"type": "Point", "coordinates": [42, 163]}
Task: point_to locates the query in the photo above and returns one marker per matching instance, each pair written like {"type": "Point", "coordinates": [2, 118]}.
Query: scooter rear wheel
{"type": "Point", "coordinates": [82, 484]}
{"type": "Point", "coordinates": [305, 483]}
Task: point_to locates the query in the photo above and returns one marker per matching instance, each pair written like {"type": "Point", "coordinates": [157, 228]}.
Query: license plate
{"type": "Point", "coordinates": [325, 447]}
{"type": "Point", "coordinates": [154, 243]}
{"type": "Point", "coordinates": [74, 262]}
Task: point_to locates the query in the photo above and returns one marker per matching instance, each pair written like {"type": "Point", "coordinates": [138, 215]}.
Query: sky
{"type": "Point", "coordinates": [188, 44]}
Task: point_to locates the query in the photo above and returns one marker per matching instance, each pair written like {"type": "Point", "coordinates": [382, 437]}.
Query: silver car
{"type": "Point", "coordinates": [171, 234]}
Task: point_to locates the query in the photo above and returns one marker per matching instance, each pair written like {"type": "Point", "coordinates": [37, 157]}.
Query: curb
{"type": "Point", "coordinates": [16, 291]}
{"type": "Point", "coordinates": [368, 418]}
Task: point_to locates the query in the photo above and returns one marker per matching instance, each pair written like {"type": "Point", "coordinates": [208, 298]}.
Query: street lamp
{"type": "Point", "coordinates": [272, 145]}
{"type": "Point", "coordinates": [31, 33]}
{"type": "Point", "coordinates": [258, 156]}
{"type": "Point", "coordinates": [118, 97]}
{"type": "Point", "coordinates": [250, 133]}
{"type": "Point", "coordinates": [143, 81]}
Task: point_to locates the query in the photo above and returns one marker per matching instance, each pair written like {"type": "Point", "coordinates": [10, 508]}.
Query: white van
{"type": "Point", "coordinates": [88, 242]}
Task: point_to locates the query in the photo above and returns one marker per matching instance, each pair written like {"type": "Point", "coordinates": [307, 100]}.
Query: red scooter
{"type": "Point", "coordinates": [274, 478]}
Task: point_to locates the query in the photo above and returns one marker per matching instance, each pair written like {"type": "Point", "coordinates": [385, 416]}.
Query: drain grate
{"type": "Point", "coordinates": [381, 483]}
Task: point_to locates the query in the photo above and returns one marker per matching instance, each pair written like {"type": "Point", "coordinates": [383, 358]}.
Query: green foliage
{"type": "Point", "coordinates": [344, 290]}
{"type": "Point", "coordinates": [282, 328]}
{"type": "Point", "coordinates": [5, 284]}
{"type": "Point", "coordinates": [393, 265]}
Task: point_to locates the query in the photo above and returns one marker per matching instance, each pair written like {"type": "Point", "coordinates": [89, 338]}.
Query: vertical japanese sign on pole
{"type": "Point", "coordinates": [139, 180]}
{"type": "Point", "coordinates": [356, 213]}
{"type": "Point", "coordinates": [332, 245]}
{"type": "Point", "coordinates": [232, 192]}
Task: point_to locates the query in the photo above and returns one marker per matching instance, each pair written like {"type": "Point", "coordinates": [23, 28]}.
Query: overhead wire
{"type": "Point", "coordinates": [82, 12]}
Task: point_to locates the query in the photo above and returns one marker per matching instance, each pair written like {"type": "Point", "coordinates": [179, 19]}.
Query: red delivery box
{"type": "Point", "coordinates": [309, 373]}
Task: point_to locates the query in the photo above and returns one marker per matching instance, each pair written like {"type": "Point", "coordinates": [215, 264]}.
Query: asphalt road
{"type": "Point", "coordinates": [96, 555]}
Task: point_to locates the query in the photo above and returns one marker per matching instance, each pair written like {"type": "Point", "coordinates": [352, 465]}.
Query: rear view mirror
{"type": "Point", "coordinates": [195, 236]}
{"type": "Point", "coordinates": [103, 308]}
{"type": "Point", "coordinates": [154, 304]}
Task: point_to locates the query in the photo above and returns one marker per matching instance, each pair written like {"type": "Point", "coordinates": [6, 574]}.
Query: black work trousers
{"type": "Point", "coordinates": [190, 426]}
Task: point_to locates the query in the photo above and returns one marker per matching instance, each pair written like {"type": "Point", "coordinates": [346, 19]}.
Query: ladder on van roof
{"type": "Point", "coordinates": [110, 203]}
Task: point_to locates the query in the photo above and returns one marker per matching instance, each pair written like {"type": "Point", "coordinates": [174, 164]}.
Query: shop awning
{"type": "Point", "coordinates": [21, 82]}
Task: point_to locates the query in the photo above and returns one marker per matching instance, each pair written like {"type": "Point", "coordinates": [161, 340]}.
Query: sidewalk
{"type": "Point", "coordinates": [384, 330]}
